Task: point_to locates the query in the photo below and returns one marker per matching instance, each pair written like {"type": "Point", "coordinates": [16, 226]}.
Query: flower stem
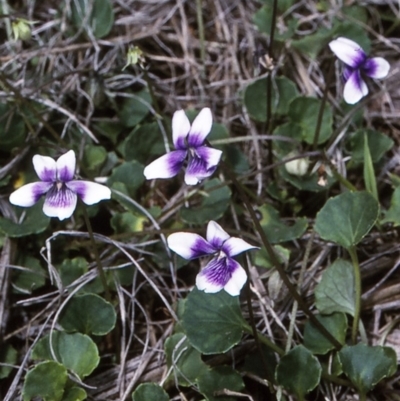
{"type": "Point", "coordinates": [96, 255]}
{"type": "Point", "coordinates": [357, 284]}
{"type": "Point", "coordinates": [200, 25]}
{"type": "Point", "coordinates": [264, 340]}
{"type": "Point", "coordinates": [275, 261]}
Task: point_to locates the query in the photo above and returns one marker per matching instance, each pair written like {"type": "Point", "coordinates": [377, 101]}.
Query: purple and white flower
{"type": "Point", "coordinates": [222, 271]}
{"type": "Point", "coordinates": [188, 140]}
{"type": "Point", "coordinates": [357, 65]}
{"type": "Point", "coordinates": [58, 185]}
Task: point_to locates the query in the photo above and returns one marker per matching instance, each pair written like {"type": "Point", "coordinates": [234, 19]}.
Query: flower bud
{"type": "Point", "coordinates": [21, 29]}
{"type": "Point", "coordinates": [297, 167]}
{"type": "Point", "coordinates": [134, 56]}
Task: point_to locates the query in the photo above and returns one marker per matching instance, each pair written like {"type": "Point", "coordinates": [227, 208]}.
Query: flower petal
{"type": "Point", "coordinates": [60, 203]}
{"type": "Point", "coordinates": [166, 166]}
{"type": "Point", "coordinates": [348, 51]}
{"type": "Point", "coordinates": [233, 246]}
{"type": "Point", "coordinates": [66, 167]}
{"type": "Point", "coordinates": [189, 245]}
{"type": "Point", "coordinates": [376, 67]}
{"type": "Point", "coordinates": [222, 273]}
{"type": "Point", "coordinates": [89, 192]}
{"type": "Point", "coordinates": [201, 127]}
{"type": "Point", "coordinates": [237, 280]}
{"type": "Point", "coordinates": [180, 129]}
{"type": "Point", "coordinates": [355, 88]}
{"type": "Point", "coordinates": [29, 194]}
{"type": "Point", "coordinates": [198, 168]}
{"type": "Point", "coordinates": [45, 167]}
{"type": "Point", "coordinates": [210, 156]}
{"type": "Point", "coordinates": [216, 235]}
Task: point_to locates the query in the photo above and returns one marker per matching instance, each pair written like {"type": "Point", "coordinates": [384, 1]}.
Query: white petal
{"type": "Point", "coordinates": [166, 166]}
{"type": "Point", "coordinates": [189, 245]}
{"type": "Point", "coordinates": [210, 156]}
{"type": "Point", "coordinates": [180, 129]}
{"type": "Point", "coordinates": [202, 283]}
{"type": "Point", "coordinates": [233, 246]}
{"type": "Point", "coordinates": [45, 168]}
{"type": "Point", "coordinates": [355, 88]}
{"type": "Point", "coordinates": [201, 127]}
{"type": "Point", "coordinates": [376, 67]}
{"type": "Point", "coordinates": [66, 166]}
{"type": "Point", "coordinates": [29, 194]}
{"type": "Point", "coordinates": [348, 51]}
{"type": "Point", "coordinates": [216, 235]}
{"type": "Point", "coordinates": [236, 282]}
{"type": "Point", "coordinates": [89, 192]}
{"type": "Point", "coordinates": [60, 203]}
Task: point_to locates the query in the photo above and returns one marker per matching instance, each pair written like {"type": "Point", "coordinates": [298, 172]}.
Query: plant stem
{"type": "Point", "coordinates": [357, 284]}
{"type": "Point", "coordinates": [200, 25]}
{"type": "Point", "coordinates": [96, 255]}
{"type": "Point", "coordinates": [264, 340]}
{"type": "Point", "coordinates": [275, 260]}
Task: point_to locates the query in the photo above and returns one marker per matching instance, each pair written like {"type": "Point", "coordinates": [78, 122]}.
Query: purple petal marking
{"type": "Point", "coordinates": [198, 167]}
{"type": "Point", "coordinates": [216, 235]}
{"type": "Point", "coordinates": [376, 67]}
{"type": "Point", "coordinates": [89, 192]}
{"type": "Point", "coordinates": [219, 273]}
{"type": "Point", "coordinates": [166, 166]}
{"type": "Point", "coordinates": [355, 88]}
{"type": "Point", "coordinates": [210, 156]}
{"type": "Point", "coordinates": [180, 129]}
{"type": "Point", "coordinates": [45, 168]}
{"type": "Point", "coordinates": [348, 51]}
{"type": "Point", "coordinates": [66, 166]}
{"type": "Point", "coordinates": [233, 246]}
{"type": "Point", "coordinates": [189, 245]}
{"type": "Point", "coordinates": [347, 71]}
{"type": "Point", "coordinates": [60, 202]}
{"type": "Point", "coordinates": [29, 194]}
{"type": "Point", "coordinates": [201, 127]}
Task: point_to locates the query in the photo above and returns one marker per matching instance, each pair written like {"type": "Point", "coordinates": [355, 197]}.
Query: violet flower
{"type": "Point", "coordinates": [188, 140]}
{"type": "Point", "coordinates": [59, 187]}
{"type": "Point", "coordinates": [357, 66]}
{"type": "Point", "coordinates": [222, 271]}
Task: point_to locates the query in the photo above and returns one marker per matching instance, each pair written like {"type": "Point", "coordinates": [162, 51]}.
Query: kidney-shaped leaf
{"type": "Point", "coordinates": [76, 352]}
{"type": "Point", "coordinates": [149, 392]}
{"type": "Point", "coordinates": [88, 314]}
{"type": "Point", "coordinates": [347, 218]}
{"type": "Point", "coordinates": [46, 380]}
{"type": "Point", "coordinates": [336, 291]}
{"type": "Point", "coordinates": [212, 322]}
{"type": "Point", "coordinates": [298, 371]}
{"type": "Point", "coordinates": [365, 366]}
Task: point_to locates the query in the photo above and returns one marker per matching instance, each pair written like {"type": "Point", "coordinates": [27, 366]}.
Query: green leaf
{"type": "Point", "coordinates": [88, 314]}
{"type": "Point", "coordinates": [347, 218]}
{"type": "Point", "coordinates": [276, 230]}
{"type": "Point", "coordinates": [311, 45]}
{"type": "Point", "coordinates": [94, 157]}
{"type": "Point", "coordinates": [212, 322]}
{"type": "Point", "coordinates": [393, 214]}
{"type": "Point", "coordinates": [149, 392]}
{"type": "Point", "coordinates": [130, 174]}
{"type": "Point", "coordinates": [317, 343]}
{"type": "Point", "coordinates": [8, 355]}
{"type": "Point", "coordinates": [378, 144]}
{"type": "Point", "coordinates": [298, 371]}
{"type": "Point", "coordinates": [219, 379]}
{"type": "Point", "coordinates": [263, 259]}
{"type": "Point", "coordinates": [255, 97]}
{"type": "Point", "coordinates": [366, 366]}
{"type": "Point", "coordinates": [369, 172]}
{"type": "Point", "coordinates": [26, 281]}
{"type": "Point", "coordinates": [98, 14]}
{"type": "Point", "coordinates": [76, 352]}
{"type": "Point", "coordinates": [34, 222]}
{"type": "Point", "coordinates": [144, 141]}
{"type": "Point", "coordinates": [127, 222]}
{"type": "Point", "coordinates": [135, 108]}
{"type": "Point", "coordinates": [213, 206]}
{"type": "Point", "coordinates": [74, 394]}
{"type": "Point", "coordinates": [336, 290]}
{"type": "Point", "coordinates": [45, 380]}
{"type": "Point", "coordinates": [304, 111]}
{"type": "Point", "coordinates": [262, 364]}
{"type": "Point", "coordinates": [185, 360]}
{"type": "Point", "coordinates": [71, 269]}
